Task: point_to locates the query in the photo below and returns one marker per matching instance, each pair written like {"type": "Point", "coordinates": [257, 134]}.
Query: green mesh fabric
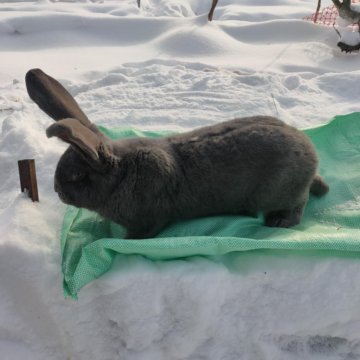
{"type": "Point", "coordinates": [90, 243]}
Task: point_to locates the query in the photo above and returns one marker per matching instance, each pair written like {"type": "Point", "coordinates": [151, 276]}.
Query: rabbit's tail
{"type": "Point", "coordinates": [319, 187]}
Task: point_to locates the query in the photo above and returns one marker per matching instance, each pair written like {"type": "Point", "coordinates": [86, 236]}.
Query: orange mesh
{"type": "Point", "coordinates": [326, 16]}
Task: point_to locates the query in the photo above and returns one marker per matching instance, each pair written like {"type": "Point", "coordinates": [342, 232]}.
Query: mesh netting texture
{"type": "Point", "coordinates": [332, 222]}
{"type": "Point", "coordinates": [327, 15]}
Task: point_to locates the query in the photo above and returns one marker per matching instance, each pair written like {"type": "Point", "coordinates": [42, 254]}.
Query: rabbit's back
{"type": "Point", "coordinates": [243, 165]}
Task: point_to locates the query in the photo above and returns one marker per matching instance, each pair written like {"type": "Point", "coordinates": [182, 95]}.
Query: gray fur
{"type": "Point", "coordinates": [243, 166]}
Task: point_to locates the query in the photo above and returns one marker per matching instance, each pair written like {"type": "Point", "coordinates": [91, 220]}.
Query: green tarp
{"type": "Point", "coordinates": [90, 243]}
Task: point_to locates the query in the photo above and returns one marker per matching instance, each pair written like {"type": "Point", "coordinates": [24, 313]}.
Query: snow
{"type": "Point", "coordinates": [350, 38]}
{"type": "Point", "coordinates": [163, 66]}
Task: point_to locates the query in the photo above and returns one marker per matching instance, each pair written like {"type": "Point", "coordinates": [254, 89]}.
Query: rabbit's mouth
{"type": "Point", "coordinates": [61, 195]}
{"type": "Point", "coordinates": [63, 198]}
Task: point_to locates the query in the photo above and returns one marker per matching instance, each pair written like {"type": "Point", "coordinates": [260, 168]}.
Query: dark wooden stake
{"type": "Point", "coordinates": [317, 11]}
{"type": "Point", "coordinates": [211, 13]}
{"type": "Point", "coordinates": [28, 178]}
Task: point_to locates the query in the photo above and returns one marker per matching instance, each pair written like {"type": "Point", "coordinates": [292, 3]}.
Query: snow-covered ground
{"type": "Point", "coordinates": [165, 67]}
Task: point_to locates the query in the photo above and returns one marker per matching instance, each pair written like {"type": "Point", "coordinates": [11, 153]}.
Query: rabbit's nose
{"type": "Point", "coordinates": [56, 186]}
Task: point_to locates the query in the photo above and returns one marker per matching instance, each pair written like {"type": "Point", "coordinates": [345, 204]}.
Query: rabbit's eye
{"type": "Point", "coordinates": [78, 176]}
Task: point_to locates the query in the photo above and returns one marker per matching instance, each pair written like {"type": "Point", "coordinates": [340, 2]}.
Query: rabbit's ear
{"type": "Point", "coordinates": [79, 136]}
{"type": "Point", "coordinates": [53, 98]}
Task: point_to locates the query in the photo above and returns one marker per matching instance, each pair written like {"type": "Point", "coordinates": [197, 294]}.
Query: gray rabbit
{"type": "Point", "coordinates": [242, 166]}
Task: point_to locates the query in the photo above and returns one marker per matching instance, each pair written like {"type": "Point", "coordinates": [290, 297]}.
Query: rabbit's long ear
{"type": "Point", "coordinates": [53, 98]}
{"type": "Point", "coordinates": [79, 136]}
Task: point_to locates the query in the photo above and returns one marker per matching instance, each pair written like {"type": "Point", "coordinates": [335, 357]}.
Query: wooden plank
{"type": "Point", "coordinates": [28, 182]}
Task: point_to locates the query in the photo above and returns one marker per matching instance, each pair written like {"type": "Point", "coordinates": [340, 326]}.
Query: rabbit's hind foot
{"type": "Point", "coordinates": [284, 218]}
